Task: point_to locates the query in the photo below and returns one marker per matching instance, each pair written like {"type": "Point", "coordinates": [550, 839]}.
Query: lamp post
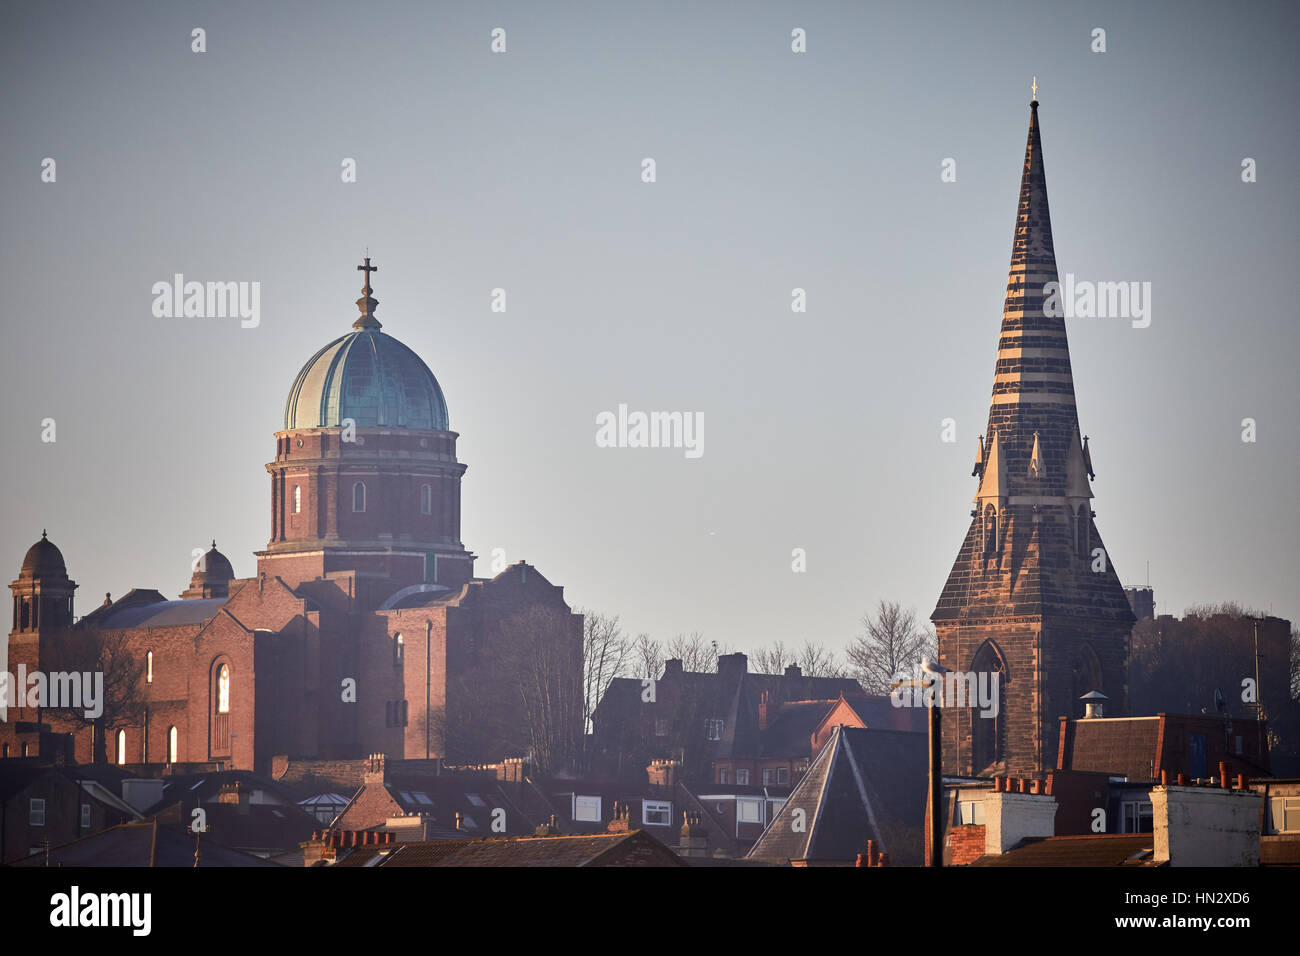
{"type": "Point", "coordinates": [933, 677]}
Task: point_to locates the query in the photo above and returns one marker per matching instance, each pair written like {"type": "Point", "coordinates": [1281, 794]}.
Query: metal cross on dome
{"type": "Point", "coordinates": [367, 269]}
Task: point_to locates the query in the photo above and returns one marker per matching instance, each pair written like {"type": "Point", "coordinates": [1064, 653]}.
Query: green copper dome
{"type": "Point", "coordinates": [366, 376]}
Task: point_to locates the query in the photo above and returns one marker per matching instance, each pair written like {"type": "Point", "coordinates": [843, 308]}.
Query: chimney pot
{"type": "Point", "coordinates": [1241, 781]}
{"type": "Point", "coordinates": [1182, 780]}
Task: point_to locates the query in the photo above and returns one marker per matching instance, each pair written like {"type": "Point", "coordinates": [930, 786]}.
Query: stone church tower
{"type": "Point", "coordinates": [1033, 594]}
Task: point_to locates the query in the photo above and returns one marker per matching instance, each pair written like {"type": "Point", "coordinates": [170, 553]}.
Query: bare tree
{"type": "Point", "coordinates": [96, 652]}
{"type": "Point", "coordinates": [892, 644]}
{"type": "Point", "coordinates": [813, 659]}
{"type": "Point", "coordinates": [647, 657]}
{"type": "Point", "coordinates": [696, 654]}
{"type": "Point", "coordinates": [607, 653]}
{"type": "Point", "coordinates": [771, 659]}
{"type": "Point", "coordinates": [544, 665]}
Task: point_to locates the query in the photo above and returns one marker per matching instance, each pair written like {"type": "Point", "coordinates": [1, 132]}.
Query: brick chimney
{"type": "Point", "coordinates": [794, 672]}
{"type": "Point", "coordinates": [694, 840]}
{"type": "Point", "coordinates": [512, 770]}
{"type": "Point", "coordinates": [672, 666]}
{"type": "Point", "coordinates": [374, 773]}
{"type": "Point", "coordinates": [1013, 812]}
{"type": "Point", "coordinates": [663, 773]}
{"type": "Point", "coordinates": [1206, 826]}
{"type": "Point", "coordinates": [622, 821]}
{"type": "Point", "coordinates": [551, 828]}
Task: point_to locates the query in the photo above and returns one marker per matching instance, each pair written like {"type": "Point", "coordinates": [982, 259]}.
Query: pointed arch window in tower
{"type": "Point", "coordinates": [989, 734]}
{"type": "Point", "coordinates": [223, 690]}
{"type": "Point", "coordinates": [359, 496]}
{"type": "Point", "coordinates": [148, 668]}
{"type": "Point", "coordinates": [1082, 527]}
{"type": "Point", "coordinates": [297, 499]}
{"type": "Point", "coordinates": [172, 744]}
{"type": "Point", "coordinates": [121, 748]}
{"type": "Point", "coordinates": [399, 648]}
{"type": "Point", "coordinates": [426, 500]}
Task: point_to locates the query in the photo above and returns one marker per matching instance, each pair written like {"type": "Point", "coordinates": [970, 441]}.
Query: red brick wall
{"type": "Point", "coordinates": [966, 843]}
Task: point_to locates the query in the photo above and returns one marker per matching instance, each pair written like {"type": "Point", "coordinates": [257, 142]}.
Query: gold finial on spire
{"type": "Point", "coordinates": [1034, 88]}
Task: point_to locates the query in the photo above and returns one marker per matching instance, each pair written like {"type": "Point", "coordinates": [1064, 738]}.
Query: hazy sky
{"type": "Point", "coordinates": [775, 170]}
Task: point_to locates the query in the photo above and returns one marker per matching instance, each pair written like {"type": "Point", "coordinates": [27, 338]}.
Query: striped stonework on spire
{"type": "Point", "coordinates": [1033, 386]}
{"type": "Point", "coordinates": [1033, 595]}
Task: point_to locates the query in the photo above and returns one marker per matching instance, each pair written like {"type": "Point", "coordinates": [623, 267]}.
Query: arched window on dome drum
{"type": "Point", "coordinates": [426, 500]}
{"type": "Point", "coordinates": [359, 496]}
{"type": "Point", "coordinates": [223, 690]}
{"type": "Point", "coordinates": [297, 499]}
{"type": "Point", "coordinates": [121, 748]}
{"type": "Point", "coordinates": [172, 744]}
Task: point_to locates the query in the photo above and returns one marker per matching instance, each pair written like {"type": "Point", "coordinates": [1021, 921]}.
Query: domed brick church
{"type": "Point", "coordinates": [364, 630]}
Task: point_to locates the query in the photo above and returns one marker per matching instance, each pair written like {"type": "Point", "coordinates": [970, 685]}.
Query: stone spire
{"type": "Point", "coordinates": [1032, 594]}
{"type": "Point", "coordinates": [1033, 386]}
{"type": "Point", "coordinates": [367, 302]}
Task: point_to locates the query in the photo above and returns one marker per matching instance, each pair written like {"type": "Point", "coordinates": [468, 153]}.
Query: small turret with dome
{"type": "Point", "coordinates": [212, 576]}
{"type": "Point", "coordinates": [42, 591]}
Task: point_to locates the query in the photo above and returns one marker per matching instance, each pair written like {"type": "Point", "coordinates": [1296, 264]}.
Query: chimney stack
{"type": "Point", "coordinates": [1206, 826]}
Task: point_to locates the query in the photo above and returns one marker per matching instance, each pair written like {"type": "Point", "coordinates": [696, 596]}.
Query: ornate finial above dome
{"type": "Point", "coordinates": [366, 376]}
{"type": "Point", "coordinates": [367, 302]}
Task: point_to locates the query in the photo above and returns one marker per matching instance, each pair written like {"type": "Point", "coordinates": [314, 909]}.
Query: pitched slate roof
{"type": "Point", "coordinates": [1100, 849]}
{"type": "Point", "coordinates": [602, 849]}
{"type": "Point", "coordinates": [141, 844]}
{"type": "Point", "coordinates": [865, 784]}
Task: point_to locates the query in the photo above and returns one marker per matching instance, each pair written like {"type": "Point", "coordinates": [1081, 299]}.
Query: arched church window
{"type": "Point", "coordinates": [223, 690]}
{"type": "Point", "coordinates": [148, 668]}
{"type": "Point", "coordinates": [990, 530]}
{"type": "Point", "coordinates": [121, 748]}
{"type": "Point", "coordinates": [173, 741]}
{"type": "Point", "coordinates": [426, 500]}
{"type": "Point", "coordinates": [399, 649]}
{"type": "Point", "coordinates": [297, 499]}
{"type": "Point", "coordinates": [989, 733]}
{"type": "Point", "coordinates": [359, 496]}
